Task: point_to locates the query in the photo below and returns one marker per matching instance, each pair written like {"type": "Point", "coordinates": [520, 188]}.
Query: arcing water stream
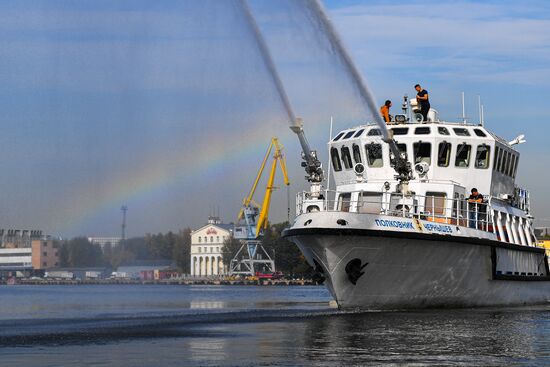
{"type": "Point", "coordinates": [327, 28]}
{"type": "Point", "coordinates": [268, 60]}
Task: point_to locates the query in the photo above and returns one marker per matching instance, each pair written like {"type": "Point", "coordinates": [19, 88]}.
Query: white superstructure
{"type": "Point", "coordinates": [449, 159]}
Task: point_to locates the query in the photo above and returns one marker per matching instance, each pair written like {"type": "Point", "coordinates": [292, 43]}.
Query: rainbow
{"type": "Point", "coordinates": [153, 176]}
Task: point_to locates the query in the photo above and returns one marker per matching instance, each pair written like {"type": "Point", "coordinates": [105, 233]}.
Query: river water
{"type": "Point", "coordinates": [132, 325]}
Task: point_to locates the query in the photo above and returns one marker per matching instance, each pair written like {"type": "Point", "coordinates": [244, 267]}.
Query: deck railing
{"type": "Point", "coordinates": [437, 209]}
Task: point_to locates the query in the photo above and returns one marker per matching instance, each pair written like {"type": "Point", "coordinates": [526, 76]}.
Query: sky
{"type": "Point", "coordinates": [166, 107]}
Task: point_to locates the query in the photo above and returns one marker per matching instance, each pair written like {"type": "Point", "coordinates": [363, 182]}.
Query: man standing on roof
{"type": "Point", "coordinates": [423, 101]}
{"type": "Point", "coordinates": [385, 111]}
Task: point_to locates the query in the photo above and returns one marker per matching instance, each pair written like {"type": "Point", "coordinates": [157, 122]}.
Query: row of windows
{"type": "Point", "coordinates": [420, 130]}
{"type": "Point", "coordinates": [422, 153]}
{"type": "Point", "coordinates": [506, 162]}
{"type": "Point", "coordinates": [205, 249]}
{"type": "Point", "coordinates": [211, 239]}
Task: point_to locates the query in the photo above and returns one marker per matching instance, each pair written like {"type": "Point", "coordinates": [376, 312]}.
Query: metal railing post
{"type": "Point", "coordinates": [457, 212]}
{"type": "Point", "coordinates": [468, 214]}
{"type": "Point", "coordinates": [476, 216]}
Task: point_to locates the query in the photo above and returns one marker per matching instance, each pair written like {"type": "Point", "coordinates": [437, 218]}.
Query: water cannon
{"type": "Point", "coordinates": [311, 163]}
{"type": "Point", "coordinates": [520, 139]}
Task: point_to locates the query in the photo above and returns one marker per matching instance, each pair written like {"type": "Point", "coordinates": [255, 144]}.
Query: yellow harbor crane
{"type": "Point", "coordinates": [246, 262]}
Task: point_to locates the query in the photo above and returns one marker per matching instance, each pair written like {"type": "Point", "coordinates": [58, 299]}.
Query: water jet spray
{"type": "Point", "coordinates": [311, 163]}
{"type": "Point", "coordinates": [402, 166]}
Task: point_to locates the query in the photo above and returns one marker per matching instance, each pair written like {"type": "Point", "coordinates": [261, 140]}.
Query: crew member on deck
{"type": "Point", "coordinates": [476, 209]}
{"type": "Point", "coordinates": [385, 111]}
{"type": "Point", "coordinates": [423, 101]}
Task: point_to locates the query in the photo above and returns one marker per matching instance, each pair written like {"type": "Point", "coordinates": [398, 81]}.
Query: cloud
{"type": "Point", "coordinates": [477, 41]}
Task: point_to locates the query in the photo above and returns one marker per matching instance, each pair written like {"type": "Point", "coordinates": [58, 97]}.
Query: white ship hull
{"type": "Point", "coordinates": [400, 268]}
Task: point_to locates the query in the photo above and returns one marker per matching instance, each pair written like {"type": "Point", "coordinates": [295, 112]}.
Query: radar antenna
{"type": "Point", "coordinates": [520, 139]}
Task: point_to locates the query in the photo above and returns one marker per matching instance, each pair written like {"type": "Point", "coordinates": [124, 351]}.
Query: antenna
{"type": "Point", "coordinates": [479, 107]}
{"type": "Point", "coordinates": [124, 209]}
{"type": "Point", "coordinates": [329, 162]}
{"type": "Point", "coordinates": [463, 109]}
{"type": "Point", "coordinates": [482, 116]}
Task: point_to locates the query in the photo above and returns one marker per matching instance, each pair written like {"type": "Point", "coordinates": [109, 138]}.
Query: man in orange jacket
{"type": "Point", "coordinates": [385, 111]}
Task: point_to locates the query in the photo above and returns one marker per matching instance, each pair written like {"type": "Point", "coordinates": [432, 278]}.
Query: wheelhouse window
{"type": "Point", "coordinates": [346, 157]}
{"type": "Point", "coordinates": [435, 203]}
{"type": "Point", "coordinates": [516, 167]}
{"type": "Point", "coordinates": [461, 131]}
{"type": "Point", "coordinates": [482, 156]}
{"type": "Point", "coordinates": [480, 133]}
{"type": "Point", "coordinates": [422, 152]}
{"type": "Point", "coordinates": [349, 134]}
{"type": "Point", "coordinates": [356, 153]}
{"type": "Point", "coordinates": [422, 130]}
{"type": "Point", "coordinates": [512, 165]}
{"type": "Point", "coordinates": [507, 165]}
{"type": "Point", "coordinates": [443, 130]}
{"type": "Point", "coordinates": [495, 158]}
{"type": "Point", "coordinates": [374, 155]}
{"type": "Point", "coordinates": [374, 132]}
{"type": "Point", "coordinates": [444, 154]}
{"type": "Point", "coordinates": [335, 160]}
{"type": "Point", "coordinates": [463, 155]}
{"type": "Point", "coordinates": [402, 150]}
{"type": "Point", "coordinates": [344, 201]}
{"type": "Point", "coordinates": [338, 136]}
{"type": "Point", "coordinates": [400, 130]}
{"type": "Point", "coordinates": [358, 133]}
{"type": "Point", "coordinates": [500, 160]}
{"type": "Point", "coordinates": [505, 161]}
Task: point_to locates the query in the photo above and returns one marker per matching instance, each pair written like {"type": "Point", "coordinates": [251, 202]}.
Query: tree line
{"type": "Point", "coordinates": [79, 252]}
{"type": "Point", "coordinates": [176, 247]}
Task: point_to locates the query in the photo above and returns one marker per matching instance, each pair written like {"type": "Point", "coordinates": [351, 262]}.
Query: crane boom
{"type": "Point", "coordinates": [278, 157]}
{"type": "Point", "coordinates": [247, 211]}
{"type": "Point", "coordinates": [248, 199]}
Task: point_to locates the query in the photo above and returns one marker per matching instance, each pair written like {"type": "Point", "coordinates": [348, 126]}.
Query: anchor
{"type": "Point", "coordinates": [354, 270]}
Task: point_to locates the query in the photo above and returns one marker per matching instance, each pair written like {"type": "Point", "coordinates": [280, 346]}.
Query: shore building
{"type": "Point", "coordinates": [27, 250]}
{"type": "Point", "coordinates": [104, 241]}
{"type": "Point", "coordinates": [206, 248]}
